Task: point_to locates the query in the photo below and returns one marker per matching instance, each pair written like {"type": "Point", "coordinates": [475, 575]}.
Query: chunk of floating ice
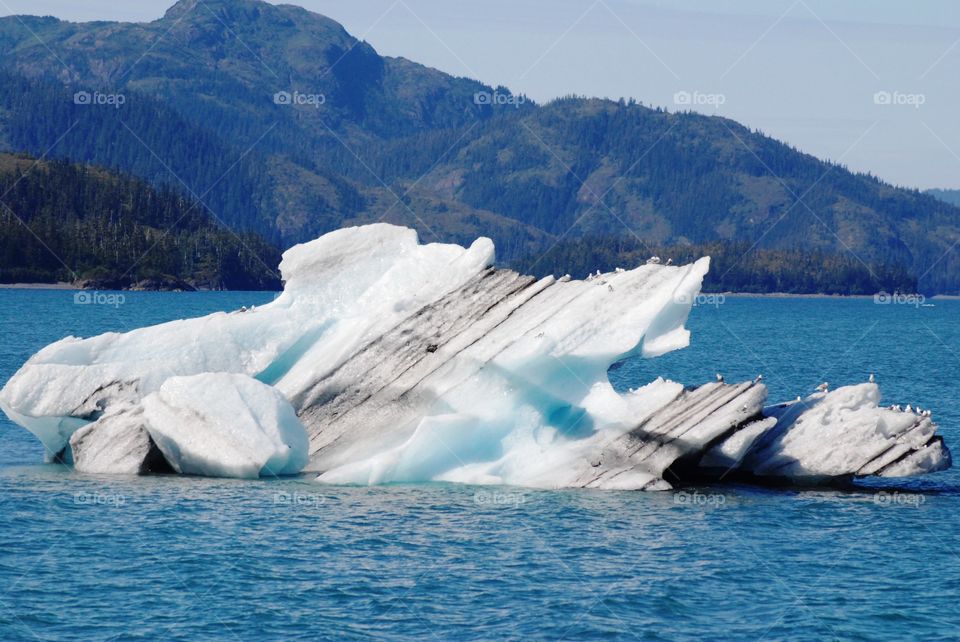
{"type": "Point", "coordinates": [409, 362]}
{"type": "Point", "coordinates": [845, 432]}
{"type": "Point", "coordinates": [117, 443]}
{"type": "Point", "coordinates": [225, 425]}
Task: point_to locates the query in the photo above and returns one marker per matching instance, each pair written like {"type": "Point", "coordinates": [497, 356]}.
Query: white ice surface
{"type": "Point", "coordinates": [117, 443]}
{"type": "Point", "coordinates": [839, 433]}
{"type": "Point", "coordinates": [525, 394]}
{"type": "Point", "coordinates": [225, 425]}
{"type": "Point", "coordinates": [341, 289]}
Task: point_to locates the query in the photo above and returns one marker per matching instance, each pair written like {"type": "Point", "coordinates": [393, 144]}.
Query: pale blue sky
{"type": "Point", "coordinates": [804, 71]}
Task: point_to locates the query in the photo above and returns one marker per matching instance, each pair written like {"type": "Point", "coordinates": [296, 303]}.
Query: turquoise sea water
{"type": "Point", "coordinates": [97, 558]}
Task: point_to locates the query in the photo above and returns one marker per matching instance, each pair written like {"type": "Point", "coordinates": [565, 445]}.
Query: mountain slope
{"type": "Point", "coordinates": [393, 140]}
{"type": "Point", "coordinates": [951, 196]}
{"type": "Point", "coordinates": [66, 222]}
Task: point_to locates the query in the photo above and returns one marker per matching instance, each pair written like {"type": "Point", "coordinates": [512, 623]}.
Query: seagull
{"type": "Point", "coordinates": [654, 260]}
{"type": "Point", "coordinates": [798, 397]}
{"type": "Point", "coordinates": [243, 308]}
{"type": "Point", "coordinates": [823, 387]}
{"type": "Point", "coordinates": [872, 379]}
{"type": "Point", "coordinates": [719, 378]}
{"type": "Point", "coordinates": [564, 278]}
{"type": "Point", "coordinates": [897, 408]}
{"type": "Point", "coordinates": [758, 379]}
{"type": "Point", "coordinates": [927, 413]}
{"type": "Point", "coordinates": [909, 408]}
{"type": "Point", "coordinates": [620, 270]}
{"type": "Point", "coordinates": [669, 261]}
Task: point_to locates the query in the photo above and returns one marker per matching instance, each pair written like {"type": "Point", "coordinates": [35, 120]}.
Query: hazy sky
{"type": "Point", "coordinates": [805, 71]}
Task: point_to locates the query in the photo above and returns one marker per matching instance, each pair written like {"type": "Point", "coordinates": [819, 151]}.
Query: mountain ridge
{"type": "Point", "coordinates": [452, 157]}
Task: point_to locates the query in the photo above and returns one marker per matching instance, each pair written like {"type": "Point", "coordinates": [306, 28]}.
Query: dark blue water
{"type": "Point", "coordinates": [91, 558]}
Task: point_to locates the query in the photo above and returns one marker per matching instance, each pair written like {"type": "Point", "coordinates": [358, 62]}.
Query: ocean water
{"type": "Point", "coordinates": [97, 558]}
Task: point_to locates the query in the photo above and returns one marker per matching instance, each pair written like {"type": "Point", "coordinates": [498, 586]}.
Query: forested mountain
{"type": "Point", "coordinates": [73, 223]}
{"type": "Point", "coordinates": [951, 196]}
{"type": "Point", "coordinates": [284, 124]}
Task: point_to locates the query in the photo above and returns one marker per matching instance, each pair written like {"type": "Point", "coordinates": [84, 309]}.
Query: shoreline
{"type": "Point", "coordinates": [38, 286]}
{"type": "Point", "coordinates": [765, 295]}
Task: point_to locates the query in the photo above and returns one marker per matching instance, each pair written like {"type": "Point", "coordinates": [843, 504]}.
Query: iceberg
{"type": "Point", "coordinates": [384, 360]}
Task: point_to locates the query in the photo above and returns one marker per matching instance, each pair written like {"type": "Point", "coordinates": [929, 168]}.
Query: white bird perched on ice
{"type": "Point", "coordinates": [669, 261]}
{"type": "Point", "coordinates": [758, 379]}
{"type": "Point", "coordinates": [798, 397]}
{"type": "Point", "coordinates": [719, 378]}
{"type": "Point", "coordinates": [823, 387]}
{"type": "Point", "coordinates": [564, 278]}
{"type": "Point", "coordinates": [897, 408]}
{"type": "Point", "coordinates": [909, 408]}
{"type": "Point", "coordinates": [872, 379]}
{"type": "Point", "coordinates": [653, 260]}
{"type": "Point", "coordinates": [619, 270]}
{"type": "Point", "coordinates": [927, 413]}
